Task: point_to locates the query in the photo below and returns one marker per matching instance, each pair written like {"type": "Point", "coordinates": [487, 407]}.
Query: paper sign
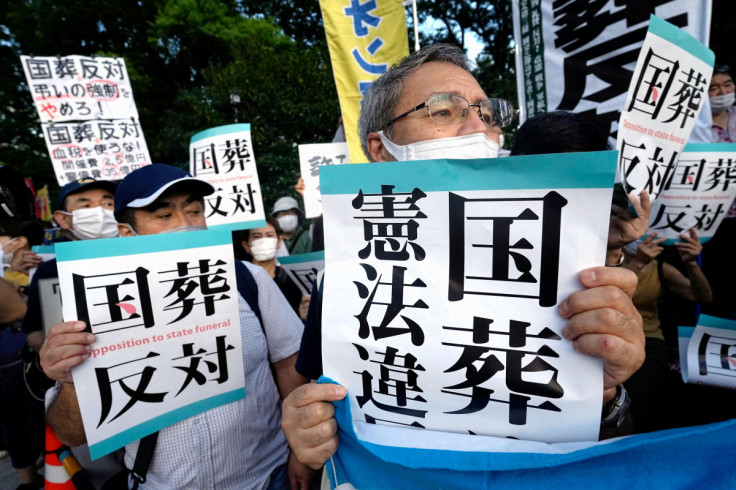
{"type": "Point", "coordinates": [667, 92]}
{"type": "Point", "coordinates": [311, 158]}
{"type": "Point", "coordinates": [440, 294]}
{"type": "Point", "coordinates": [710, 352]}
{"type": "Point", "coordinates": [79, 88]}
{"type": "Point", "coordinates": [164, 309]}
{"type": "Point", "coordinates": [223, 156]}
{"type": "Point", "coordinates": [698, 193]}
{"type": "Point", "coordinates": [303, 268]}
{"type": "Point", "coordinates": [105, 150]}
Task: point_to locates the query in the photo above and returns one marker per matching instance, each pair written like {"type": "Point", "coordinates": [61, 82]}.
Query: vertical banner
{"type": "Point", "coordinates": [223, 156]}
{"type": "Point", "coordinates": [44, 204]}
{"type": "Point", "coordinates": [311, 158]}
{"type": "Point", "coordinates": [579, 56]}
{"type": "Point", "coordinates": [88, 116]}
{"type": "Point", "coordinates": [164, 309]}
{"type": "Point", "coordinates": [668, 90]}
{"type": "Point", "coordinates": [440, 294]}
{"type": "Point", "coordinates": [303, 268]}
{"type": "Point", "coordinates": [708, 352]}
{"type": "Point", "coordinates": [698, 193]}
{"type": "Point", "coordinates": [364, 38]}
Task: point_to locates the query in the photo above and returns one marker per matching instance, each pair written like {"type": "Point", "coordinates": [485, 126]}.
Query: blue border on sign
{"type": "Point", "coordinates": [301, 258]}
{"type": "Point", "coordinates": [220, 130]}
{"type": "Point", "coordinates": [680, 38]}
{"type": "Point", "coordinates": [554, 171]}
{"type": "Point", "coordinates": [162, 421]}
{"type": "Point", "coordinates": [114, 247]}
{"type": "Point", "coordinates": [711, 147]}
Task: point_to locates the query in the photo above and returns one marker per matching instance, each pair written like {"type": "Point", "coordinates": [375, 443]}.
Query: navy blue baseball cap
{"type": "Point", "coordinates": [80, 185]}
{"type": "Point", "coordinates": [143, 186]}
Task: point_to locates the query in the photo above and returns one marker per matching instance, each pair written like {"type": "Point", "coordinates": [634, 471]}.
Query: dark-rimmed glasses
{"type": "Point", "coordinates": [446, 109]}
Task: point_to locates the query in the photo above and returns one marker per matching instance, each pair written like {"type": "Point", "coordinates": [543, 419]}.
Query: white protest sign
{"type": "Point", "coordinates": [311, 158]}
{"type": "Point", "coordinates": [579, 56]}
{"type": "Point", "coordinates": [79, 88]}
{"type": "Point", "coordinates": [164, 309]}
{"type": "Point", "coordinates": [303, 268]}
{"type": "Point", "coordinates": [440, 294]}
{"type": "Point", "coordinates": [223, 156]}
{"type": "Point", "coordinates": [667, 91]}
{"type": "Point", "coordinates": [698, 193]}
{"type": "Point", "coordinates": [710, 352]}
{"type": "Point", "coordinates": [107, 150]}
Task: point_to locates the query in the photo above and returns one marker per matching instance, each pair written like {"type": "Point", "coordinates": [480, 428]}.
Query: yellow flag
{"type": "Point", "coordinates": [365, 38]}
{"type": "Point", "coordinates": [42, 199]}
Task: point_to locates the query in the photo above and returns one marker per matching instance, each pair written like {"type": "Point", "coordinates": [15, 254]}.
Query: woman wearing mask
{"type": "Point", "coordinates": [721, 93]}
{"type": "Point", "coordinates": [261, 244]}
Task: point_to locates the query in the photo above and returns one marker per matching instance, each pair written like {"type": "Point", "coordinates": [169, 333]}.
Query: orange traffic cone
{"type": "Point", "coordinates": [56, 476]}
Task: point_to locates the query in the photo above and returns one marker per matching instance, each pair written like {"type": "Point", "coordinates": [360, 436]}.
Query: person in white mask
{"type": "Point", "coordinates": [83, 212]}
{"type": "Point", "coordinates": [261, 244]}
{"type": "Point", "coordinates": [206, 450]}
{"type": "Point", "coordinates": [430, 105]}
{"type": "Point", "coordinates": [722, 96]}
{"type": "Point", "coordinates": [296, 238]}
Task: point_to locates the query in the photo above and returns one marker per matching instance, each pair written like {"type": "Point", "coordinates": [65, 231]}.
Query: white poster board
{"type": "Point", "coordinates": [303, 268]}
{"type": "Point", "coordinates": [164, 309]}
{"type": "Point", "coordinates": [223, 156]}
{"type": "Point", "coordinates": [708, 352]}
{"type": "Point", "coordinates": [311, 158]}
{"type": "Point", "coordinates": [440, 294]}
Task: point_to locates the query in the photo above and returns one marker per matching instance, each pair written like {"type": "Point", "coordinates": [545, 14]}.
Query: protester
{"type": "Point", "coordinates": [21, 417]}
{"type": "Point", "coordinates": [602, 321]}
{"type": "Point", "coordinates": [722, 97]}
{"type": "Point", "coordinates": [84, 210]}
{"type": "Point", "coordinates": [290, 218]}
{"type": "Point", "coordinates": [237, 445]}
{"type": "Point", "coordinates": [650, 390]}
{"type": "Point", "coordinates": [261, 244]}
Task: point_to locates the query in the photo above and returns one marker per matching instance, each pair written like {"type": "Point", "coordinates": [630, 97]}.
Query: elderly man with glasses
{"type": "Point", "coordinates": [431, 106]}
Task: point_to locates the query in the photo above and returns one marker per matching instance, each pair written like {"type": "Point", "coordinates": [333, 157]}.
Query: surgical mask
{"type": "Point", "coordinates": [720, 103]}
{"type": "Point", "coordinates": [288, 223]}
{"type": "Point", "coordinates": [263, 249]}
{"type": "Point", "coordinates": [477, 145]}
{"type": "Point", "coordinates": [92, 223]}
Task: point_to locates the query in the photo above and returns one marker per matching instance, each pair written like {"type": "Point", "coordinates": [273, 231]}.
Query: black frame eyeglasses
{"type": "Point", "coordinates": [446, 109]}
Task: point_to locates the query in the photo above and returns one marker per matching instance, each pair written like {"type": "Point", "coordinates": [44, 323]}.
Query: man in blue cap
{"type": "Point", "coordinates": [237, 445]}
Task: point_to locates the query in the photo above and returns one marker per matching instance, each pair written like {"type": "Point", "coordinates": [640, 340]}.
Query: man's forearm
{"type": "Point", "coordinates": [65, 418]}
{"type": "Point", "coordinates": [286, 376]}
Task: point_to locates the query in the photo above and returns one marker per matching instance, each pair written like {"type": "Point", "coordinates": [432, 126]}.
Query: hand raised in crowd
{"type": "Point", "coordinates": [624, 227]}
{"type": "Point", "coordinates": [603, 322]}
{"type": "Point", "coordinates": [300, 186]}
{"type": "Point", "coordinates": [690, 246]}
{"type": "Point", "coordinates": [304, 307]}
{"type": "Point", "coordinates": [308, 421]}
{"type": "Point", "coordinates": [649, 248]}
{"type": "Point", "coordinates": [67, 345]}
{"type": "Point", "coordinates": [25, 260]}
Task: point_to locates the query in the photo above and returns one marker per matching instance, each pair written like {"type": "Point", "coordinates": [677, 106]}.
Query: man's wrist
{"type": "Point", "coordinates": [615, 411]}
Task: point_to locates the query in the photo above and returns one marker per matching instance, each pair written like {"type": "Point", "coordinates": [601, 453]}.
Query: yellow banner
{"type": "Point", "coordinates": [42, 199]}
{"type": "Point", "coordinates": [364, 38]}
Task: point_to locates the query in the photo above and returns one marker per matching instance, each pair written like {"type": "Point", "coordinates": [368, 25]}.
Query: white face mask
{"type": "Point", "coordinates": [288, 223]}
{"type": "Point", "coordinates": [720, 103]}
{"type": "Point", "coordinates": [477, 145]}
{"type": "Point", "coordinates": [263, 249]}
{"type": "Point", "coordinates": [92, 223]}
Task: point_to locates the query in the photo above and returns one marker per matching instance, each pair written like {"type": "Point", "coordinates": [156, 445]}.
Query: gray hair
{"type": "Point", "coordinates": [380, 101]}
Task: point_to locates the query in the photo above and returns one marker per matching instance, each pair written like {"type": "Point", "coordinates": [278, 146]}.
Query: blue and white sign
{"type": "Point", "coordinates": [164, 309]}
{"type": "Point", "coordinates": [441, 289]}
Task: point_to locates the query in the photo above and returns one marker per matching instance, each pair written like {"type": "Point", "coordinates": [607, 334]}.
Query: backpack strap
{"type": "Point", "coordinates": [248, 289]}
{"type": "Point", "coordinates": [143, 459]}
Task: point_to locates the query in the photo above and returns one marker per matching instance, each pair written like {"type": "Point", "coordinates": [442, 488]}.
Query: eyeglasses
{"type": "Point", "coordinates": [446, 109]}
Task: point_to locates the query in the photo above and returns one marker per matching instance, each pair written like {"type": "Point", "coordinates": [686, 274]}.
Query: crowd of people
{"type": "Point", "coordinates": [284, 431]}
